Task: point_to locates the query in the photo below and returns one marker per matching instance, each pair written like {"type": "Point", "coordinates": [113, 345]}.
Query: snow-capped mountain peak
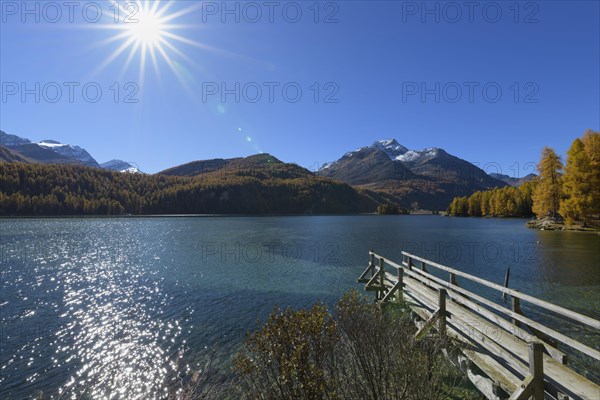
{"type": "Point", "coordinates": [69, 151]}
{"type": "Point", "coordinates": [413, 156]}
{"type": "Point", "coordinates": [396, 152]}
{"type": "Point", "coordinates": [409, 156]}
{"type": "Point", "coordinates": [120, 166]}
{"type": "Point", "coordinates": [51, 143]}
{"type": "Point", "coordinates": [391, 147]}
{"type": "Point", "coordinates": [55, 152]}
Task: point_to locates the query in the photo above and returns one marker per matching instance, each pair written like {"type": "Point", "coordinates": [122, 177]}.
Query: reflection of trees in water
{"type": "Point", "coordinates": [569, 258]}
{"type": "Point", "coordinates": [568, 262]}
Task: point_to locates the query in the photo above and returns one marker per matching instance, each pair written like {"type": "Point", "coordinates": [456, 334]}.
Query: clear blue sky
{"type": "Point", "coordinates": [374, 57]}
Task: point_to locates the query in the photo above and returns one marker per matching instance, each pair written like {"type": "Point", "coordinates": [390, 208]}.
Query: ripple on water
{"type": "Point", "coordinates": [115, 308]}
{"type": "Point", "coordinates": [85, 312]}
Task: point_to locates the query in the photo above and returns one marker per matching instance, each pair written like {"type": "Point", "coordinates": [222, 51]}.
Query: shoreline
{"type": "Point", "coordinates": [547, 224]}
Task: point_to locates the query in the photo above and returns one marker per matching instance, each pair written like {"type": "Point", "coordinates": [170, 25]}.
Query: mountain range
{"type": "Point", "coordinates": [428, 178]}
{"type": "Point", "coordinates": [14, 148]}
{"type": "Point", "coordinates": [514, 182]}
{"type": "Point", "coordinates": [386, 170]}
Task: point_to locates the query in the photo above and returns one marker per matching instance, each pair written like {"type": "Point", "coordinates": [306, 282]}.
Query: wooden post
{"type": "Point", "coordinates": [381, 276]}
{"type": "Point", "coordinates": [536, 368]}
{"type": "Point", "coordinates": [372, 263]}
{"type": "Point", "coordinates": [442, 310]}
{"type": "Point", "coordinates": [400, 285]}
{"type": "Point", "coordinates": [410, 264]}
{"type": "Point", "coordinates": [452, 278]}
{"type": "Point", "coordinates": [423, 268]}
{"type": "Point", "coordinates": [516, 308]}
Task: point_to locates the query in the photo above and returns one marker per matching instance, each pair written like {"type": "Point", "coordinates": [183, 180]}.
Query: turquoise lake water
{"type": "Point", "coordinates": [119, 306]}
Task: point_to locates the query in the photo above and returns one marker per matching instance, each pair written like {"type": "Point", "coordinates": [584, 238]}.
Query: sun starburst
{"type": "Point", "coordinates": [146, 31]}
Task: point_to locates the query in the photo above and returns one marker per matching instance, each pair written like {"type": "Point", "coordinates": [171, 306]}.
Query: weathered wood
{"type": "Point", "coordinates": [465, 300]}
{"type": "Point", "coordinates": [381, 269]}
{"type": "Point", "coordinates": [482, 359]}
{"type": "Point", "coordinates": [516, 308]}
{"type": "Point", "coordinates": [397, 288]}
{"type": "Point", "coordinates": [533, 300]}
{"type": "Point", "coordinates": [428, 325]}
{"type": "Point", "coordinates": [374, 278]}
{"type": "Point", "coordinates": [524, 391]}
{"type": "Point", "coordinates": [363, 278]}
{"type": "Point", "coordinates": [476, 331]}
{"type": "Point", "coordinates": [560, 377]}
{"type": "Point", "coordinates": [487, 386]}
{"type": "Point", "coordinates": [400, 283]}
{"type": "Point", "coordinates": [539, 334]}
{"type": "Point", "coordinates": [527, 321]}
{"type": "Point", "coordinates": [536, 369]}
{"type": "Point", "coordinates": [442, 311]}
{"type": "Point", "coordinates": [423, 293]}
{"type": "Point", "coordinates": [506, 278]}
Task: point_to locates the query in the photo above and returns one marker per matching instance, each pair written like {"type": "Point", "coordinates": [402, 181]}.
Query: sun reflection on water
{"type": "Point", "coordinates": [106, 325]}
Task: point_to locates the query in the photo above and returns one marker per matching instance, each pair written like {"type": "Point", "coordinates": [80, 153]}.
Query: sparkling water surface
{"type": "Point", "coordinates": [119, 307]}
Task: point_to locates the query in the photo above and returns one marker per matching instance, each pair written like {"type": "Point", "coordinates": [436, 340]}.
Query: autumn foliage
{"type": "Point", "coordinates": [570, 191]}
{"type": "Point", "coordinates": [43, 189]}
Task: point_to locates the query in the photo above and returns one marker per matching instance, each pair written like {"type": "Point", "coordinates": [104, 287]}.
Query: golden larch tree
{"type": "Point", "coordinates": [591, 142]}
{"type": "Point", "coordinates": [548, 190]}
{"type": "Point", "coordinates": [576, 204]}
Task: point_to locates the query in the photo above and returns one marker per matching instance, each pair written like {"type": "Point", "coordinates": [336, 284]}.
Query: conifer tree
{"type": "Point", "coordinates": [591, 142]}
{"type": "Point", "coordinates": [475, 204]}
{"type": "Point", "coordinates": [548, 191]}
{"type": "Point", "coordinates": [577, 204]}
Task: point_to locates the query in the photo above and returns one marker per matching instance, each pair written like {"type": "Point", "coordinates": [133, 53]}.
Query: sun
{"type": "Point", "coordinates": [148, 30]}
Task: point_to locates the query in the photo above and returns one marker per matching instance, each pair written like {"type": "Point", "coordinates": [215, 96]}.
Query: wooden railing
{"type": "Point", "coordinates": [527, 365]}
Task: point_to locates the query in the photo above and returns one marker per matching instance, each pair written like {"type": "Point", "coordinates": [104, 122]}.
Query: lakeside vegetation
{"type": "Point", "coordinates": [570, 192]}
{"type": "Point", "coordinates": [507, 202]}
{"type": "Point", "coordinates": [358, 351]}
{"type": "Point", "coordinates": [391, 209]}
{"type": "Point", "coordinates": [264, 188]}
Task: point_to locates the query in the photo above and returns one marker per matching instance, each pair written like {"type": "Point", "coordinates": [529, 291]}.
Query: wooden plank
{"type": "Point", "coordinates": [524, 391]}
{"type": "Point", "coordinates": [522, 334]}
{"type": "Point", "coordinates": [477, 333]}
{"type": "Point", "coordinates": [392, 291]}
{"type": "Point", "coordinates": [374, 278]}
{"type": "Point", "coordinates": [480, 357]}
{"type": "Point", "coordinates": [381, 270]}
{"type": "Point", "coordinates": [533, 300]}
{"type": "Point", "coordinates": [422, 299]}
{"type": "Point", "coordinates": [452, 279]}
{"type": "Point", "coordinates": [536, 369]}
{"type": "Point", "coordinates": [442, 311]}
{"type": "Point", "coordinates": [363, 277]}
{"type": "Point", "coordinates": [533, 324]}
{"type": "Point", "coordinates": [428, 325]}
{"type": "Point", "coordinates": [559, 376]}
{"type": "Point", "coordinates": [516, 308]}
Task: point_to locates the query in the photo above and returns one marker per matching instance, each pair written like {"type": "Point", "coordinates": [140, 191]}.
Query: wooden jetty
{"type": "Point", "coordinates": [515, 356]}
